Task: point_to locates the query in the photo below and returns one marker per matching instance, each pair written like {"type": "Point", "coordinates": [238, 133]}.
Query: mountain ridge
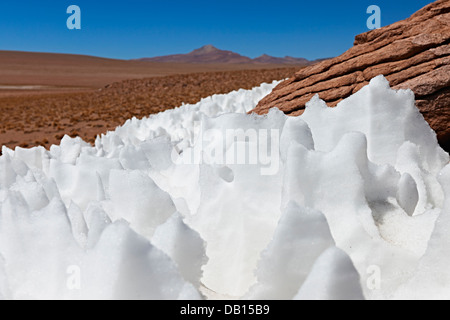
{"type": "Point", "coordinates": [211, 54]}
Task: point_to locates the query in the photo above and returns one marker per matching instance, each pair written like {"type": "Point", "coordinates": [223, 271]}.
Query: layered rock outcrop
{"type": "Point", "coordinates": [412, 53]}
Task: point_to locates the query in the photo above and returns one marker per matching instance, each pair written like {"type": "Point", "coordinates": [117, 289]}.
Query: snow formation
{"type": "Point", "coordinates": [351, 202]}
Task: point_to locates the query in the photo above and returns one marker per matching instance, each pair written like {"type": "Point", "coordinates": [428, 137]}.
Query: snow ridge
{"type": "Point", "coordinates": [356, 207]}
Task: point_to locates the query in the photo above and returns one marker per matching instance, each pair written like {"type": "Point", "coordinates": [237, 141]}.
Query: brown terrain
{"type": "Point", "coordinates": [413, 53]}
{"type": "Point", "coordinates": [44, 96]}
{"type": "Point", "coordinates": [65, 72]}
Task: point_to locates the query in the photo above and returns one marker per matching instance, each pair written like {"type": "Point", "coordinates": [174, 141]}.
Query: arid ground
{"type": "Point", "coordinates": [44, 96]}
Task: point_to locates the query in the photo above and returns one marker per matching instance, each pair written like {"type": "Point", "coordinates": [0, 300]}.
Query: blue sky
{"type": "Point", "coordinates": [133, 29]}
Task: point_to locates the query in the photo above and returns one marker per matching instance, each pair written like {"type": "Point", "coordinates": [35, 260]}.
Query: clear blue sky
{"type": "Point", "coordinates": [133, 29]}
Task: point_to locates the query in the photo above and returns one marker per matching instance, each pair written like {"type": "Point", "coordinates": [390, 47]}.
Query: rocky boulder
{"type": "Point", "coordinates": [413, 53]}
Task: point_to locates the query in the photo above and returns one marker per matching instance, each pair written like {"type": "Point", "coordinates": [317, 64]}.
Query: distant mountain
{"type": "Point", "coordinates": [206, 54]}
{"type": "Point", "coordinates": [275, 60]}
{"type": "Point", "coordinates": [210, 54]}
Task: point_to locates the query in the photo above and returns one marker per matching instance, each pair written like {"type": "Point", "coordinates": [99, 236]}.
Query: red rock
{"type": "Point", "coordinates": [413, 53]}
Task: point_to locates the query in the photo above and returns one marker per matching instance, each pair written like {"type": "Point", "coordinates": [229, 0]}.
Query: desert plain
{"type": "Point", "coordinates": [44, 96]}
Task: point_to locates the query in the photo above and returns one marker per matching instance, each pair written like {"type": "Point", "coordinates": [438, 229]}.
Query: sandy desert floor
{"type": "Point", "coordinates": [62, 72]}
{"type": "Point", "coordinates": [39, 105]}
